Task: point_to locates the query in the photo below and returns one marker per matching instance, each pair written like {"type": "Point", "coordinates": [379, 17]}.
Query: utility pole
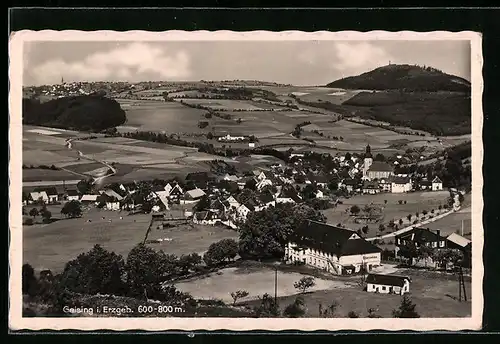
{"type": "Point", "coordinates": [275, 285]}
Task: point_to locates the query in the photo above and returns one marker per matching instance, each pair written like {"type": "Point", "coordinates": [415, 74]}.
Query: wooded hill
{"type": "Point", "coordinates": [404, 77]}
{"type": "Point", "coordinates": [86, 113]}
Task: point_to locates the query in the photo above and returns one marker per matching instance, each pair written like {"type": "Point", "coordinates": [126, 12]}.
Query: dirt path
{"type": "Point", "coordinates": [97, 180]}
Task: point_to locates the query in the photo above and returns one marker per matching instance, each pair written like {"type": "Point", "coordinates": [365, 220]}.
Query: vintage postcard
{"type": "Point", "coordinates": [245, 180]}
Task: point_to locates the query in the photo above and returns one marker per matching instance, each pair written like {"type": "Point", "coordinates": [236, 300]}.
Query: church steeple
{"type": "Point", "coordinates": [368, 152]}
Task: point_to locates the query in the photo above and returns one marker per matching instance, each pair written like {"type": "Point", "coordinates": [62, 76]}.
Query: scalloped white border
{"type": "Point", "coordinates": [17, 322]}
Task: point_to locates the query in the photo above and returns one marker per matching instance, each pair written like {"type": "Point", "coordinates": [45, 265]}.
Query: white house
{"type": "Point", "coordinates": [206, 218]}
{"type": "Point", "coordinates": [231, 178]}
{"type": "Point", "coordinates": [72, 195]}
{"type": "Point", "coordinates": [437, 184]}
{"type": "Point", "coordinates": [111, 193]}
{"type": "Point", "coordinates": [38, 196]}
{"type": "Point", "coordinates": [333, 249]}
{"type": "Point", "coordinates": [387, 284]}
{"type": "Point", "coordinates": [319, 194]}
{"type": "Point", "coordinates": [243, 211]}
{"type": "Point", "coordinates": [233, 203]}
{"type": "Point", "coordinates": [400, 184]}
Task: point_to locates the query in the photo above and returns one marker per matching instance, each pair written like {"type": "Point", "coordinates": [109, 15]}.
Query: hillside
{"type": "Point", "coordinates": [437, 113]}
{"type": "Point", "coordinates": [404, 77]}
{"type": "Point", "coordinates": [86, 113]}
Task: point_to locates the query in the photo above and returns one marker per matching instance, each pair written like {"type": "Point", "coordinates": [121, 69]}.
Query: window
{"type": "Point", "coordinates": [441, 244]}
{"type": "Point", "coordinates": [383, 288]}
{"type": "Point", "coordinates": [434, 244]}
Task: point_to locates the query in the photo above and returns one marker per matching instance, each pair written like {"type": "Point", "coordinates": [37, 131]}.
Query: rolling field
{"type": "Point", "coordinates": [189, 238]}
{"type": "Point", "coordinates": [36, 174]}
{"type": "Point", "coordinates": [51, 246]}
{"type": "Point", "coordinates": [415, 201]}
{"type": "Point", "coordinates": [159, 116]}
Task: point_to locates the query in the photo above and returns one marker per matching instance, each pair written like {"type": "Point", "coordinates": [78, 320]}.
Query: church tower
{"type": "Point", "coordinates": [368, 161]}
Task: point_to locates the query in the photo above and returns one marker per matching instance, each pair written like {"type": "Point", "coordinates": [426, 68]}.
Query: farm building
{"type": "Point", "coordinates": [456, 241]}
{"type": "Point", "coordinates": [266, 199]}
{"type": "Point", "coordinates": [193, 195]}
{"type": "Point", "coordinates": [437, 184]}
{"type": "Point", "coordinates": [174, 192]}
{"type": "Point", "coordinates": [387, 284]}
{"type": "Point", "coordinates": [72, 195]}
{"type": "Point", "coordinates": [206, 218]}
{"type": "Point", "coordinates": [110, 202]}
{"type": "Point", "coordinates": [244, 209]}
{"type": "Point", "coordinates": [371, 187]}
{"type": "Point", "coordinates": [112, 193]}
{"type": "Point", "coordinates": [379, 170]}
{"type": "Point", "coordinates": [48, 194]}
{"type": "Point", "coordinates": [336, 250]}
{"type": "Point", "coordinates": [36, 196]}
{"type": "Point", "coordinates": [89, 198]}
{"type": "Point", "coordinates": [288, 195]}
{"type": "Point", "coordinates": [409, 242]}
{"type": "Point", "coordinates": [400, 184]}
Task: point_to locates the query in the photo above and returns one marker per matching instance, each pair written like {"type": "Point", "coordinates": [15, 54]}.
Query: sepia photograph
{"type": "Point", "coordinates": [245, 181]}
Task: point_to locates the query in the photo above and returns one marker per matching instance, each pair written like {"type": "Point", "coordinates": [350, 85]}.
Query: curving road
{"type": "Point", "coordinates": [95, 179]}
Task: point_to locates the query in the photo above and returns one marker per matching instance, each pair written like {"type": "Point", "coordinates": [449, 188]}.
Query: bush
{"type": "Point", "coordinates": [28, 222]}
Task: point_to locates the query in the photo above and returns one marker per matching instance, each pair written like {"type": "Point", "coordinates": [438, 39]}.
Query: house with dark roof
{"type": "Point", "coordinates": [207, 217]}
{"type": "Point", "coordinates": [412, 240]}
{"type": "Point", "coordinates": [464, 245]}
{"type": "Point", "coordinates": [387, 284]}
{"type": "Point", "coordinates": [288, 195]}
{"type": "Point", "coordinates": [378, 170]}
{"type": "Point", "coordinates": [51, 192]}
{"type": "Point", "coordinates": [266, 199]}
{"type": "Point", "coordinates": [72, 195]}
{"type": "Point", "coordinates": [371, 187]}
{"type": "Point", "coordinates": [400, 184]}
{"type": "Point", "coordinates": [336, 250]}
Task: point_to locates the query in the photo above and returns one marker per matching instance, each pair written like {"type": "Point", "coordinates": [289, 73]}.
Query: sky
{"type": "Point", "coordinates": [288, 62]}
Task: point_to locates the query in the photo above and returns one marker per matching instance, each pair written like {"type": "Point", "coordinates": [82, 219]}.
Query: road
{"type": "Point", "coordinates": [96, 180]}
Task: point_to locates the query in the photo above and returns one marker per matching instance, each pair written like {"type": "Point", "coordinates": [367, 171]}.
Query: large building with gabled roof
{"type": "Point", "coordinates": [337, 250]}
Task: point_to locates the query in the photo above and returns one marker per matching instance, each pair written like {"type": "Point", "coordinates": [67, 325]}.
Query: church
{"type": "Point", "coordinates": [375, 169]}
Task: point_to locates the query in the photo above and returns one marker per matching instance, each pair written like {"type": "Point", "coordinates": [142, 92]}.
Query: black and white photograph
{"type": "Point", "coordinates": [242, 181]}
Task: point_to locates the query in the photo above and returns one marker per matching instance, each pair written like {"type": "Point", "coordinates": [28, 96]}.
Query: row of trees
{"type": "Point", "coordinates": [144, 274]}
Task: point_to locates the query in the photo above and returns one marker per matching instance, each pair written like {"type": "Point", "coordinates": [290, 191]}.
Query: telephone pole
{"type": "Point", "coordinates": [275, 285]}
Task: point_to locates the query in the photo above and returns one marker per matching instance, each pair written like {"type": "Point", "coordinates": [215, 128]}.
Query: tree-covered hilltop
{"type": "Point", "coordinates": [404, 77]}
{"type": "Point", "coordinates": [85, 113]}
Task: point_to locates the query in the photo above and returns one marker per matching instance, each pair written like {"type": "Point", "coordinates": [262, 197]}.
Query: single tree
{"type": "Point", "coordinates": [400, 222]}
{"type": "Point", "coordinates": [304, 283]}
{"type": "Point", "coordinates": [46, 215]}
{"type": "Point", "coordinates": [146, 271]}
{"type": "Point", "coordinates": [218, 252]}
{"type": "Point", "coordinates": [406, 309]}
{"type": "Point", "coordinates": [202, 204]}
{"type": "Point", "coordinates": [72, 209]}
{"type": "Point", "coordinates": [267, 308]}
{"type": "Point", "coordinates": [381, 227]}
{"type": "Point", "coordinates": [239, 294]}
{"type": "Point", "coordinates": [97, 271]}
{"type": "Point", "coordinates": [365, 229]}
{"type": "Point", "coordinates": [355, 210]}
{"type": "Point", "coordinates": [34, 212]}
{"type": "Point", "coordinates": [29, 281]}
{"type": "Point", "coordinates": [296, 309]}
{"type": "Point", "coordinates": [372, 313]}
{"type": "Point", "coordinates": [329, 311]}
{"type": "Point", "coordinates": [409, 217]}
{"type": "Point", "coordinates": [352, 314]}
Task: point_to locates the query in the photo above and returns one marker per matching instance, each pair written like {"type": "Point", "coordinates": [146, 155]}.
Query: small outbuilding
{"type": "Point", "coordinates": [387, 284]}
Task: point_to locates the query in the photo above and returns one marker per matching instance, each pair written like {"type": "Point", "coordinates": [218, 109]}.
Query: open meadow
{"type": "Point", "coordinates": [392, 210]}
{"type": "Point", "coordinates": [51, 246]}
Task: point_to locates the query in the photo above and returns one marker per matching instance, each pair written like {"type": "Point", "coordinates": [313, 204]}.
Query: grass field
{"type": "Point", "coordinates": [36, 174]}
{"type": "Point", "coordinates": [51, 246]}
{"type": "Point", "coordinates": [415, 201]}
{"type": "Point", "coordinates": [453, 223]}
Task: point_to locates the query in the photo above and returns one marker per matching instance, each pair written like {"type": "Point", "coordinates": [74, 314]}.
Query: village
{"type": "Point", "coordinates": [358, 192]}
